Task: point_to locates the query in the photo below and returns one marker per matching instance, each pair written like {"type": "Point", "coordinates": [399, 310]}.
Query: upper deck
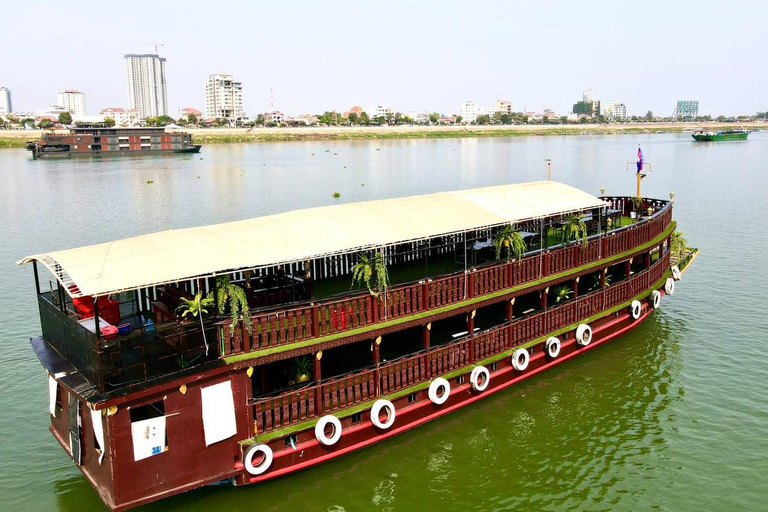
{"type": "Point", "coordinates": [304, 304]}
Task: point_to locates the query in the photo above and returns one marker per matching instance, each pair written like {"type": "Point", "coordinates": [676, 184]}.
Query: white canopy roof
{"type": "Point", "coordinates": [298, 235]}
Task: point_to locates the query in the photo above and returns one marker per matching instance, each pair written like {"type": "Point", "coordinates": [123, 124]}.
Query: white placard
{"type": "Point", "coordinates": [98, 432]}
{"type": "Point", "coordinates": [53, 388]}
{"type": "Point", "coordinates": [148, 437]}
{"type": "Point", "coordinates": [218, 412]}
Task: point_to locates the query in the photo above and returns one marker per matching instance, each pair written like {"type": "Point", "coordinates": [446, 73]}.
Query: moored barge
{"type": "Point", "coordinates": [238, 353]}
{"type": "Point", "coordinates": [110, 141]}
{"type": "Point", "coordinates": [720, 135]}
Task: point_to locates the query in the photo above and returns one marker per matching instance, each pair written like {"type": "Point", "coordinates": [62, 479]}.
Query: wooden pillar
{"type": "Point", "coordinates": [471, 332]}
{"type": "Point", "coordinates": [510, 313]}
{"type": "Point", "coordinates": [425, 335]}
{"type": "Point", "coordinates": [647, 258]}
{"type": "Point", "coordinates": [376, 352]}
{"type": "Point", "coordinates": [376, 355]}
{"type": "Point", "coordinates": [575, 287]}
{"type": "Point", "coordinates": [543, 293]}
{"type": "Point", "coordinates": [627, 267]}
{"type": "Point", "coordinates": [426, 338]}
{"type": "Point", "coordinates": [317, 374]}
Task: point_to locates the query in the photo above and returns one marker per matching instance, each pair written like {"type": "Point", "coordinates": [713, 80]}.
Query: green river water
{"type": "Point", "coordinates": [672, 416]}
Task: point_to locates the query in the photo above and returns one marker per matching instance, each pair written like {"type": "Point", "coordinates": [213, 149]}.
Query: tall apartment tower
{"type": "Point", "coordinates": [146, 85]}
{"type": "Point", "coordinates": [74, 101]}
{"type": "Point", "coordinates": [223, 97]}
{"type": "Point", "coordinates": [6, 107]}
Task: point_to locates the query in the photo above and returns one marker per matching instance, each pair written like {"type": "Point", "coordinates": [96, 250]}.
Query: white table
{"type": "Point", "coordinates": [90, 323]}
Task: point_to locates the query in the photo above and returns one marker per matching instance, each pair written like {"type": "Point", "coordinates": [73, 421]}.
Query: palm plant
{"type": "Point", "coordinates": [678, 245]}
{"type": "Point", "coordinates": [575, 229]}
{"type": "Point", "coordinates": [508, 238]}
{"type": "Point", "coordinates": [227, 292]}
{"type": "Point", "coordinates": [196, 307]}
{"type": "Point", "coordinates": [595, 284]}
{"type": "Point", "coordinates": [300, 368]}
{"type": "Point", "coordinates": [371, 270]}
{"type": "Point", "coordinates": [562, 293]}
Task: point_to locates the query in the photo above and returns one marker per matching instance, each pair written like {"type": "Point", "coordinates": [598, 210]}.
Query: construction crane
{"type": "Point", "coordinates": [152, 44]}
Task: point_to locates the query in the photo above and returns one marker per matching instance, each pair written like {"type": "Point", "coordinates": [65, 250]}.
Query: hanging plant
{"type": "Point", "coordinates": [234, 296]}
{"type": "Point", "coordinates": [371, 271]}
{"type": "Point", "coordinates": [510, 241]}
{"type": "Point", "coordinates": [196, 307]}
{"type": "Point", "coordinates": [575, 229]}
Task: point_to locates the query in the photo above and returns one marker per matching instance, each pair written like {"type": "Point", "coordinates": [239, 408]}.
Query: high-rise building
{"type": "Point", "coordinates": [587, 96]}
{"type": "Point", "coordinates": [223, 97]}
{"type": "Point", "coordinates": [74, 101]}
{"type": "Point", "coordinates": [468, 112]}
{"type": "Point", "coordinates": [615, 110]}
{"type": "Point", "coordinates": [6, 107]}
{"type": "Point", "coordinates": [146, 85]}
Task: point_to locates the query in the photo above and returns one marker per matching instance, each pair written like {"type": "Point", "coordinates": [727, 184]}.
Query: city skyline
{"type": "Point", "coordinates": [526, 54]}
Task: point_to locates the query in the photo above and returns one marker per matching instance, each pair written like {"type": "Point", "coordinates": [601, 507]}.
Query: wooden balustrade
{"type": "Point", "coordinates": [401, 301]}
{"type": "Point", "coordinates": [345, 314]}
{"type": "Point", "coordinates": [338, 393]}
{"type": "Point", "coordinates": [312, 321]}
{"type": "Point", "coordinates": [443, 291]}
{"type": "Point", "coordinates": [491, 279]}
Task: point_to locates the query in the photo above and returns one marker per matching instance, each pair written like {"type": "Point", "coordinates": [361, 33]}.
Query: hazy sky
{"type": "Point", "coordinates": [411, 55]}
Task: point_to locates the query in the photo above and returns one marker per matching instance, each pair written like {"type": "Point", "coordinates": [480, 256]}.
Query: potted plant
{"type": "Point", "coordinates": [228, 293]}
{"type": "Point", "coordinates": [510, 241]}
{"type": "Point", "coordinates": [575, 229]}
{"type": "Point", "coordinates": [562, 293]}
{"type": "Point", "coordinates": [196, 307]}
{"type": "Point", "coordinates": [300, 369]}
{"type": "Point", "coordinates": [637, 203]}
{"type": "Point", "coordinates": [679, 245]}
{"type": "Point", "coordinates": [371, 270]}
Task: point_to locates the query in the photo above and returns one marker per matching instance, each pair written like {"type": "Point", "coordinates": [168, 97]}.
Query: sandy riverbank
{"type": "Point", "coordinates": [17, 138]}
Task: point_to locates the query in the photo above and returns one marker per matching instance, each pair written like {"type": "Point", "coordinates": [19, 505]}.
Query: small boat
{"type": "Point", "coordinates": [721, 135]}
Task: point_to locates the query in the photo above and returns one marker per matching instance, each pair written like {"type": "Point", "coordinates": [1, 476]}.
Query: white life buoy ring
{"type": "Point", "coordinates": [439, 391]}
{"type": "Point", "coordinates": [656, 299]}
{"type": "Point", "coordinates": [520, 359]}
{"type": "Point", "coordinates": [676, 274]}
{"type": "Point", "coordinates": [321, 436]}
{"type": "Point", "coordinates": [636, 309]}
{"type": "Point", "coordinates": [480, 378]}
{"type": "Point", "coordinates": [261, 466]}
{"type": "Point", "coordinates": [553, 347]}
{"type": "Point", "coordinates": [669, 286]}
{"type": "Point", "coordinates": [583, 335]}
{"type": "Point", "coordinates": [388, 407]}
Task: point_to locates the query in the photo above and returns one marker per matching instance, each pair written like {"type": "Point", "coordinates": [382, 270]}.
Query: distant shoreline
{"type": "Point", "coordinates": [18, 138]}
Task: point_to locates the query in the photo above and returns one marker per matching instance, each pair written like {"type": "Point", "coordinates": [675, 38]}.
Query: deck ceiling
{"type": "Point", "coordinates": [179, 254]}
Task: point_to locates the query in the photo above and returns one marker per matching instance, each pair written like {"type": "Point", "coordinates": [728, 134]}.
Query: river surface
{"type": "Point", "coordinates": [672, 416]}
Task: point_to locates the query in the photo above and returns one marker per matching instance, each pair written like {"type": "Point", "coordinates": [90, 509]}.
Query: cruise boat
{"type": "Point", "coordinates": [721, 135]}
{"type": "Point", "coordinates": [238, 353]}
{"type": "Point", "coordinates": [110, 141]}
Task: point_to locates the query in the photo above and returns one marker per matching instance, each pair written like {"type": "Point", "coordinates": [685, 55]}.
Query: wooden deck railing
{"type": "Point", "coordinates": [338, 393]}
{"type": "Point", "coordinates": [296, 323]}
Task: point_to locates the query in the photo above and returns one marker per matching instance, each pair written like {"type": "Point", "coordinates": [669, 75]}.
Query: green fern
{"type": "Point", "coordinates": [371, 271]}
{"type": "Point", "coordinates": [575, 229]}
{"type": "Point", "coordinates": [508, 238]}
{"type": "Point", "coordinates": [234, 296]}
